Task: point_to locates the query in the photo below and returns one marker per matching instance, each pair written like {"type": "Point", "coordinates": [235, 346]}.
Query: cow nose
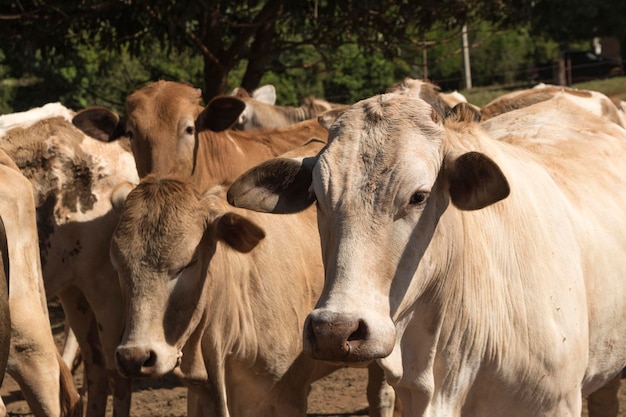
{"type": "Point", "coordinates": [333, 337]}
{"type": "Point", "coordinates": [135, 362]}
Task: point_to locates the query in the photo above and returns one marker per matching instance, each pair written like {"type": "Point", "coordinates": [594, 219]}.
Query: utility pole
{"type": "Point", "coordinates": [467, 73]}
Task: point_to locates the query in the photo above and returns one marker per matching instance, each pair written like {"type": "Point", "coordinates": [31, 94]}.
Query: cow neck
{"type": "Point", "coordinates": [298, 114]}
{"type": "Point", "coordinates": [224, 156]}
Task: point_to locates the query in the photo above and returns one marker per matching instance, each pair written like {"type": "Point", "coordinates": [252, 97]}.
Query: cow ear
{"type": "Point", "coordinates": [280, 185]}
{"type": "Point", "coordinates": [464, 112]}
{"type": "Point", "coordinates": [476, 181]}
{"type": "Point", "coordinates": [119, 194]}
{"type": "Point", "coordinates": [99, 123]}
{"type": "Point", "coordinates": [328, 117]}
{"type": "Point", "coordinates": [238, 232]}
{"type": "Point", "coordinates": [220, 114]}
{"type": "Point", "coordinates": [240, 92]}
{"type": "Point", "coordinates": [265, 94]}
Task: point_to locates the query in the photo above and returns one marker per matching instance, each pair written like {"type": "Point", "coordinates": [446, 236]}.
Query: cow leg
{"type": "Point", "coordinates": [122, 392]}
{"type": "Point", "coordinates": [604, 402]}
{"type": "Point", "coordinates": [71, 352]}
{"type": "Point", "coordinates": [289, 396]}
{"type": "Point", "coordinates": [200, 402]}
{"type": "Point", "coordinates": [381, 397]}
{"type": "Point", "coordinates": [82, 321]}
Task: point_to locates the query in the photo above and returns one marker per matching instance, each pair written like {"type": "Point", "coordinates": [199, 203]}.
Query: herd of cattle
{"type": "Point", "coordinates": [471, 258]}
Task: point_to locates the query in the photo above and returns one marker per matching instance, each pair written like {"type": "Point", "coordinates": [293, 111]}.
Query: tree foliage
{"type": "Point", "coordinates": [225, 32]}
{"type": "Point", "coordinates": [99, 50]}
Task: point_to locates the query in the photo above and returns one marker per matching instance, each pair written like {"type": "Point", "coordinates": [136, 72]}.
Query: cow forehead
{"type": "Point", "coordinates": [162, 104]}
{"type": "Point", "coordinates": [377, 143]}
{"type": "Point", "coordinates": [162, 222]}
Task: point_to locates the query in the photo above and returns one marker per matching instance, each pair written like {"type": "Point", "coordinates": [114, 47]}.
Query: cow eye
{"type": "Point", "coordinates": [174, 273]}
{"type": "Point", "coordinates": [129, 134]}
{"type": "Point", "coordinates": [418, 198]}
{"type": "Point", "coordinates": [189, 130]}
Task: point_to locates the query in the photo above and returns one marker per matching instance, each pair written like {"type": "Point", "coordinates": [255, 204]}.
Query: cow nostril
{"type": "Point", "coordinates": [151, 360]}
{"type": "Point", "coordinates": [360, 333]}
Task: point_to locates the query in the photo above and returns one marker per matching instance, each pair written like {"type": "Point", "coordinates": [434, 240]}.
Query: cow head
{"type": "Point", "coordinates": [163, 249]}
{"type": "Point", "coordinates": [381, 184]}
{"type": "Point", "coordinates": [162, 122]}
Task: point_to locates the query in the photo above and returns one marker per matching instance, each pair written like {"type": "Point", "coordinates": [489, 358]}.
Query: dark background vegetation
{"type": "Point", "coordinates": [88, 52]}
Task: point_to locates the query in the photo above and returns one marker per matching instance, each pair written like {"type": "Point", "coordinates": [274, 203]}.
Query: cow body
{"type": "Point", "coordinates": [501, 273]}
{"type": "Point", "coordinates": [72, 176]}
{"type": "Point", "coordinates": [592, 101]}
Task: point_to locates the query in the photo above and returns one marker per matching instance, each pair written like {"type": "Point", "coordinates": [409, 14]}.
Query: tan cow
{"type": "Point", "coordinates": [213, 294]}
{"type": "Point", "coordinates": [485, 276]}
{"type": "Point", "coordinates": [72, 176]}
{"type": "Point", "coordinates": [33, 361]}
{"type": "Point", "coordinates": [172, 134]}
{"type": "Point", "coordinates": [261, 111]}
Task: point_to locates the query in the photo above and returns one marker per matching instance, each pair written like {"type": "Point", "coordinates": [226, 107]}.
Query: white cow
{"type": "Point", "coordinates": [486, 276]}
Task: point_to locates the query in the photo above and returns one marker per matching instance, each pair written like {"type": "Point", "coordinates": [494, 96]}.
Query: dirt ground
{"type": "Point", "coordinates": [341, 394]}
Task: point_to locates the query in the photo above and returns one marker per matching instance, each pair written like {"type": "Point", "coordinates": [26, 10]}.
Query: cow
{"type": "Point", "coordinates": [485, 276]}
{"type": "Point", "coordinates": [72, 176]}
{"type": "Point", "coordinates": [171, 133]}
{"type": "Point", "coordinates": [33, 360]}
{"type": "Point", "coordinates": [27, 118]}
{"type": "Point", "coordinates": [261, 111]}
{"type": "Point", "coordinates": [213, 294]}
{"type": "Point", "coordinates": [593, 101]}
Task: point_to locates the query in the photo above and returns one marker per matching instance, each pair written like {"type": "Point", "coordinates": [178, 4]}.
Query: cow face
{"type": "Point", "coordinates": [162, 249]}
{"type": "Point", "coordinates": [381, 185]}
{"type": "Point", "coordinates": [160, 122]}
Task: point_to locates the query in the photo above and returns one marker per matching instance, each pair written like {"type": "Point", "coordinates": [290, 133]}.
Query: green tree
{"type": "Point", "coordinates": [225, 33]}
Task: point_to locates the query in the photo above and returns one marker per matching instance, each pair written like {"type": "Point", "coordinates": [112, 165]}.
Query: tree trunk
{"type": "Point", "coordinates": [215, 77]}
{"type": "Point", "coordinates": [260, 57]}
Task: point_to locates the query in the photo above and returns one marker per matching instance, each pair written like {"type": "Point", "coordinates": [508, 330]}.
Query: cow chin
{"type": "Point", "coordinates": [147, 361]}
{"type": "Point", "coordinates": [350, 339]}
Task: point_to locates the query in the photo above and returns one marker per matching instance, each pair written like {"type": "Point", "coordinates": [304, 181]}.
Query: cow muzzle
{"type": "Point", "coordinates": [343, 338]}
{"type": "Point", "coordinates": [144, 362]}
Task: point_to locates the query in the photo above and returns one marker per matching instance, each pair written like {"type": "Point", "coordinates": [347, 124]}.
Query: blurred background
{"type": "Point", "coordinates": [89, 52]}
